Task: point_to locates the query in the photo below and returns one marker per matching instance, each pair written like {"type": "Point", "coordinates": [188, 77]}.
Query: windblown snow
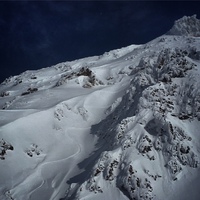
{"type": "Point", "coordinates": [123, 125]}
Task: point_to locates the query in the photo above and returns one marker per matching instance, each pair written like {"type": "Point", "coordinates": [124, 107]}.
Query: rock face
{"type": "Point", "coordinates": [124, 125]}
{"type": "Point", "coordinates": [186, 26]}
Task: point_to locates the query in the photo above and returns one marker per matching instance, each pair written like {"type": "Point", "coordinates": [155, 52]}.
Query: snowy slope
{"type": "Point", "coordinates": [124, 125]}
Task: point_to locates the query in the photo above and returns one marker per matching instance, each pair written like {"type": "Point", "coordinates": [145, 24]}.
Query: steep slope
{"type": "Point", "coordinates": [124, 125]}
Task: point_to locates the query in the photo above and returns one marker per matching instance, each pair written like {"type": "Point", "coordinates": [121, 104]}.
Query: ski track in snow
{"type": "Point", "coordinates": [43, 166]}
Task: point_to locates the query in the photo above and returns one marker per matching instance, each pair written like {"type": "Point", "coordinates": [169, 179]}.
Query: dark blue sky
{"type": "Point", "coordinates": [37, 34]}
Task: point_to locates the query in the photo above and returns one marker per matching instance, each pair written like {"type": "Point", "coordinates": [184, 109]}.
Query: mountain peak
{"type": "Point", "coordinates": [186, 26]}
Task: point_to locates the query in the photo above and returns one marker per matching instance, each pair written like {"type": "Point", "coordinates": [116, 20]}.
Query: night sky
{"type": "Point", "coordinates": [37, 34]}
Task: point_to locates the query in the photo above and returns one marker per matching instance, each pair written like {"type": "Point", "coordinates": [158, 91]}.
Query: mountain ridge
{"type": "Point", "coordinates": [124, 125]}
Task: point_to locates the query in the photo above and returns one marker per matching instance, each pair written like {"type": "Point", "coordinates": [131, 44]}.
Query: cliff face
{"type": "Point", "coordinates": [124, 125]}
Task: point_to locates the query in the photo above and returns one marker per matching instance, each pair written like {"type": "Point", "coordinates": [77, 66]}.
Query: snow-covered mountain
{"type": "Point", "coordinates": [124, 125]}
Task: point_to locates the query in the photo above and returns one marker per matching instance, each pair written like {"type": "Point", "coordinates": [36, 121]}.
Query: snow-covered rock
{"type": "Point", "coordinates": [124, 125]}
{"type": "Point", "coordinates": [186, 26]}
